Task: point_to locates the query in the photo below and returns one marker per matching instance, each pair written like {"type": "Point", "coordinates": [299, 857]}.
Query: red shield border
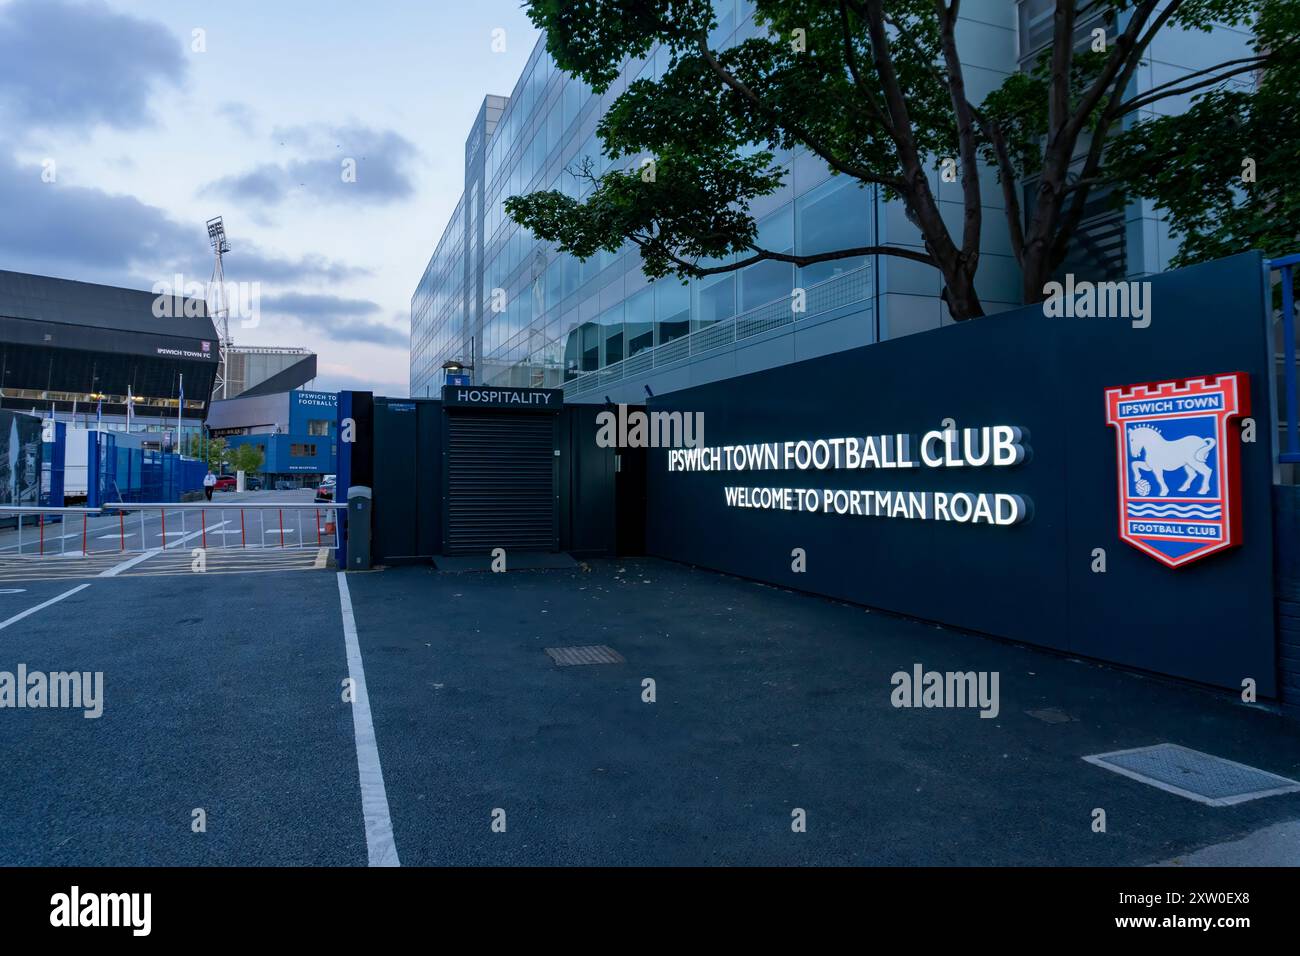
{"type": "Point", "coordinates": [1235, 387]}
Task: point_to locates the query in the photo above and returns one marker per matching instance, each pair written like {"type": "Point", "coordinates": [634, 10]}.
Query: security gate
{"type": "Point", "coordinates": [500, 478]}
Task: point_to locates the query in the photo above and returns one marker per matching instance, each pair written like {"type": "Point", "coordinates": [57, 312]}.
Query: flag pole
{"type": "Point", "coordinates": [180, 407]}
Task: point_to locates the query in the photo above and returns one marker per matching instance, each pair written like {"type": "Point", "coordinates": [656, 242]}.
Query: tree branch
{"type": "Point", "coordinates": [1008, 179]}
{"type": "Point", "coordinates": [851, 59]}
{"type": "Point", "coordinates": [766, 255]}
{"type": "Point", "coordinates": [812, 142]}
{"type": "Point", "coordinates": [970, 179]}
{"type": "Point", "coordinates": [1149, 97]}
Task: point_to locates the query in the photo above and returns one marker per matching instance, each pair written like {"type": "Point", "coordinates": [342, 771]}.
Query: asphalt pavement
{"type": "Point", "coordinates": [740, 724]}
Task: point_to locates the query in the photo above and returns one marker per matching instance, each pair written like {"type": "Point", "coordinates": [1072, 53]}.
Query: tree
{"type": "Point", "coordinates": [1224, 170]}
{"type": "Point", "coordinates": [211, 450]}
{"type": "Point", "coordinates": [877, 90]}
{"type": "Point", "coordinates": [246, 457]}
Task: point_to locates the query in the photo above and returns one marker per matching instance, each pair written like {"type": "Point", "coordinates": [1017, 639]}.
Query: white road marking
{"type": "Point", "coordinates": [129, 563]}
{"type": "Point", "coordinates": [126, 565]}
{"type": "Point", "coordinates": [210, 529]}
{"type": "Point", "coordinates": [32, 610]}
{"type": "Point", "coordinates": [380, 846]}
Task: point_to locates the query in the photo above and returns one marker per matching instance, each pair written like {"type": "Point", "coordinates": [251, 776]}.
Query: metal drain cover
{"type": "Point", "coordinates": [590, 654]}
{"type": "Point", "coordinates": [1050, 715]}
{"type": "Point", "coordinates": [1198, 776]}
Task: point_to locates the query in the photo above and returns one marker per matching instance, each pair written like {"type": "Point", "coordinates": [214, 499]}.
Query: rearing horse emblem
{"type": "Point", "coordinates": [1177, 464]}
{"type": "Point", "coordinates": [1188, 454]}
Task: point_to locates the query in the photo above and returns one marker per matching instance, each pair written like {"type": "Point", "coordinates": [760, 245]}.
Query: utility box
{"type": "Point", "coordinates": [359, 506]}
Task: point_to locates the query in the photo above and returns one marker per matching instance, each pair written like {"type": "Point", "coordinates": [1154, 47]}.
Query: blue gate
{"type": "Point", "coordinates": [1290, 410]}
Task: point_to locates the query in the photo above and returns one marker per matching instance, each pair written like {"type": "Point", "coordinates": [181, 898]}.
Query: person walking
{"type": "Point", "coordinates": [209, 483]}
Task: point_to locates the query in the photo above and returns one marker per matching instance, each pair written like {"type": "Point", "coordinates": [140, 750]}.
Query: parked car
{"type": "Point", "coordinates": [284, 484]}
{"type": "Point", "coordinates": [326, 490]}
{"type": "Point", "coordinates": [252, 483]}
{"type": "Point", "coordinates": [226, 483]}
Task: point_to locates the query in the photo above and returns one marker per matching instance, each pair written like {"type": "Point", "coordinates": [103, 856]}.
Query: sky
{"type": "Point", "coordinates": [328, 134]}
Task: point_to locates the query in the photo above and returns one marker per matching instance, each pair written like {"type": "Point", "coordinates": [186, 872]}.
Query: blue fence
{"type": "Point", "coordinates": [119, 469]}
{"type": "Point", "coordinates": [53, 456]}
{"type": "Point", "coordinates": [1291, 402]}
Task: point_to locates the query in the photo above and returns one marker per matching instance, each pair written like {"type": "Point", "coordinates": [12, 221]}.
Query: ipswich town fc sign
{"type": "Point", "coordinates": [1178, 469]}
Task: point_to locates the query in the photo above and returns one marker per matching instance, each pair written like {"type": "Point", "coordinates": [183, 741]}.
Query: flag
{"type": "Point", "coordinates": [99, 414]}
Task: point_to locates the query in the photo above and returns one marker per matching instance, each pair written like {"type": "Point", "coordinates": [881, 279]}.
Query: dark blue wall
{"type": "Point", "coordinates": [1288, 595]}
{"type": "Point", "coordinates": [1211, 621]}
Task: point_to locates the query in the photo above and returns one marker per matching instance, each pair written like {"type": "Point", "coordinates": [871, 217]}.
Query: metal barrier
{"type": "Point", "coordinates": [38, 514]}
{"type": "Point", "coordinates": [1290, 454]}
{"type": "Point", "coordinates": [289, 525]}
{"type": "Point", "coordinates": [844, 289]}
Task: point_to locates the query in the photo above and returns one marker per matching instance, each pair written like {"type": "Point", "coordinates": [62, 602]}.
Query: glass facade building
{"type": "Point", "coordinates": [519, 313]}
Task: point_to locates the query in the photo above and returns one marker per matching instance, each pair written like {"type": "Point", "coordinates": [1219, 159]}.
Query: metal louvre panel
{"type": "Point", "coordinates": [500, 482]}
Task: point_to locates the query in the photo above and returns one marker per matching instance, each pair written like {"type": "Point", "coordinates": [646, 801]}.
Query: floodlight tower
{"type": "Point", "coordinates": [220, 307]}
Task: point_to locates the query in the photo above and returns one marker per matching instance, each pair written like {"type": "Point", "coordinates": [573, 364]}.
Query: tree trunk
{"type": "Point", "coordinates": [959, 292]}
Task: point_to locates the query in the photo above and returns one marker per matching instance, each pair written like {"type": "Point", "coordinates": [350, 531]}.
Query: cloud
{"type": "Point", "coordinates": [240, 115]}
{"type": "Point", "coordinates": [334, 381]}
{"type": "Point", "coordinates": [316, 305]}
{"type": "Point", "coordinates": [75, 65]}
{"type": "Point", "coordinates": [85, 233]}
{"type": "Point", "coordinates": [344, 164]}
{"type": "Point", "coordinates": [248, 263]}
{"type": "Point", "coordinates": [263, 184]}
{"type": "Point", "coordinates": [56, 227]}
{"type": "Point", "coordinates": [337, 318]}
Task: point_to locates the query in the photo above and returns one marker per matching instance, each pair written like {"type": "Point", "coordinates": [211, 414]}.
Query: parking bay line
{"type": "Point", "coordinates": [40, 607]}
{"type": "Point", "coordinates": [380, 846]}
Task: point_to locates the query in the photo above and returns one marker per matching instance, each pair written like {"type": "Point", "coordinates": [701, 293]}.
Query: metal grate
{"type": "Point", "coordinates": [1198, 776]}
{"type": "Point", "coordinates": [500, 482]}
{"type": "Point", "coordinates": [591, 654]}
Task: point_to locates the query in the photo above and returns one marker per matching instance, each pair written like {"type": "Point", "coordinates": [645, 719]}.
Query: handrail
{"type": "Point", "coordinates": [217, 504]}
{"type": "Point", "coordinates": [39, 510]}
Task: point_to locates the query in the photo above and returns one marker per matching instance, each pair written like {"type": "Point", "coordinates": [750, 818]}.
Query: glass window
{"type": "Point", "coordinates": [672, 309]}
{"type": "Point", "coordinates": [611, 323]}
{"type": "Point", "coordinates": [725, 11]}
{"type": "Point", "coordinates": [590, 347]}
{"type": "Point", "coordinates": [554, 129]}
{"type": "Point", "coordinates": [765, 283]}
{"type": "Point", "coordinates": [835, 215]}
{"type": "Point", "coordinates": [570, 267]}
{"type": "Point", "coordinates": [715, 299]}
{"type": "Point", "coordinates": [770, 280]}
{"type": "Point", "coordinates": [555, 280]}
{"type": "Point", "coordinates": [572, 100]}
{"type": "Point", "coordinates": [1036, 25]}
{"type": "Point", "coordinates": [640, 321]}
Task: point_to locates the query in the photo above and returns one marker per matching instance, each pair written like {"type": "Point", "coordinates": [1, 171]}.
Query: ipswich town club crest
{"type": "Point", "coordinates": [1177, 461]}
